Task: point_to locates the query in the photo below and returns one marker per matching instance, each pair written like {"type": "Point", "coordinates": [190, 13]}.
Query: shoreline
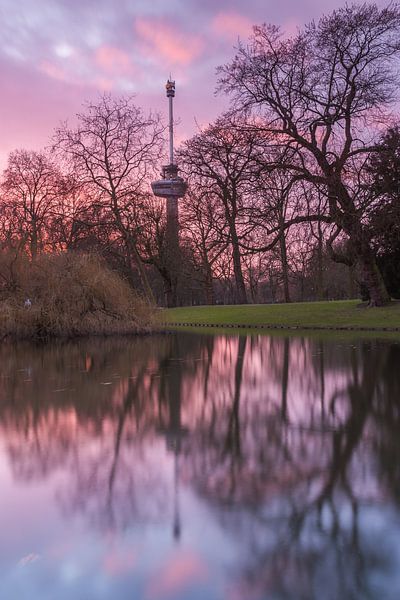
{"type": "Point", "coordinates": [283, 327]}
{"type": "Point", "coordinates": [44, 337]}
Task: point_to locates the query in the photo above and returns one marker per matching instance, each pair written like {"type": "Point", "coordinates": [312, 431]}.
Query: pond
{"type": "Point", "coordinates": [200, 467]}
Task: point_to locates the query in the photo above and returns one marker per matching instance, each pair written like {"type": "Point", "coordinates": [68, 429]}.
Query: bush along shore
{"type": "Point", "coordinates": [67, 295]}
{"type": "Point", "coordinates": [342, 315]}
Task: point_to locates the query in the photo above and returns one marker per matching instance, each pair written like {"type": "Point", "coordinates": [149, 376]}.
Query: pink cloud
{"type": "Point", "coordinates": [119, 563]}
{"type": "Point", "coordinates": [113, 59]}
{"type": "Point", "coordinates": [164, 43]}
{"type": "Point", "coordinates": [52, 70]}
{"type": "Point", "coordinates": [231, 25]}
{"type": "Point", "coordinates": [180, 571]}
{"type": "Point", "coordinates": [103, 84]}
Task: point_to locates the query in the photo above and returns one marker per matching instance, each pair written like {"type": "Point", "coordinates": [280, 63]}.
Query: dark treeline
{"type": "Point", "coordinates": [293, 193]}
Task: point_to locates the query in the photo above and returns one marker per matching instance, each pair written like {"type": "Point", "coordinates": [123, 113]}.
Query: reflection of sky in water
{"type": "Point", "coordinates": [277, 459]}
{"type": "Point", "coordinates": [49, 556]}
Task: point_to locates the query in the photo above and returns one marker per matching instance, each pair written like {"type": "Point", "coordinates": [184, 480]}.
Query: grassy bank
{"type": "Point", "coordinates": [66, 295]}
{"type": "Point", "coordinates": [343, 314]}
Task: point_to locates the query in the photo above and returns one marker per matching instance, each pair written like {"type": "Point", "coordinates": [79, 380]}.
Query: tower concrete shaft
{"type": "Point", "coordinates": [171, 187]}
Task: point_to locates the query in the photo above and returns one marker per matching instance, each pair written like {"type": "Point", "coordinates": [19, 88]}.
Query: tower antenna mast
{"type": "Point", "coordinates": [171, 95]}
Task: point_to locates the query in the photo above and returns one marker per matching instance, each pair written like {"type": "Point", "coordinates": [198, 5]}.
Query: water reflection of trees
{"type": "Point", "coordinates": [91, 408]}
{"type": "Point", "coordinates": [307, 474]}
{"type": "Point", "coordinates": [290, 441]}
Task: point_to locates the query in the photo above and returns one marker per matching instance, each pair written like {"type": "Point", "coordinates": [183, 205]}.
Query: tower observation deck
{"type": "Point", "coordinates": [171, 187]}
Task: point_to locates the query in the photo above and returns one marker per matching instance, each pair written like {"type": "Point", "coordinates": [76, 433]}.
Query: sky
{"type": "Point", "coordinates": [57, 54]}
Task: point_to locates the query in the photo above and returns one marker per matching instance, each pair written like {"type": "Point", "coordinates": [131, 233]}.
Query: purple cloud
{"type": "Point", "coordinates": [54, 54]}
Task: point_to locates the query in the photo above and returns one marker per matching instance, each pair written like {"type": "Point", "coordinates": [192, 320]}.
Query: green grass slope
{"type": "Point", "coordinates": [333, 314]}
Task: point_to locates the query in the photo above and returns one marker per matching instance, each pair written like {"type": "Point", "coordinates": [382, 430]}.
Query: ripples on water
{"type": "Point", "coordinates": [200, 467]}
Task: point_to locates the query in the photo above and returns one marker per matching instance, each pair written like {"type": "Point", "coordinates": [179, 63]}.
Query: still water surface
{"type": "Point", "coordinates": [196, 467]}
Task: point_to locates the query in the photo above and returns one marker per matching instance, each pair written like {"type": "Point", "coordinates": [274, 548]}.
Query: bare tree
{"type": "Point", "coordinates": [31, 186]}
{"type": "Point", "coordinates": [280, 204]}
{"type": "Point", "coordinates": [113, 150]}
{"type": "Point", "coordinates": [318, 93]}
{"type": "Point", "coordinates": [202, 223]}
{"type": "Point", "coordinates": [75, 216]}
{"type": "Point", "coordinates": [221, 161]}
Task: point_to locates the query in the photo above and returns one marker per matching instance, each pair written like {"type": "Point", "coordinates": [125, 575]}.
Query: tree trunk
{"type": "Point", "coordinates": [237, 268]}
{"type": "Point", "coordinates": [170, 292]}
{"type": "Point", "coordinates": [253, 288]}
{"type": "Point", "coordinates": [133, 254]}
{"type": "Point", "coordinates": [349, 221]}
{"type": "Point", "coordinates": [209, 289]}
{"type": "Point", "coordinates": [142, 273]}
{"type": "Point", "coordinates": [320, 272]}
{"type": "Point", "coordinates": [34, 241]}
{"type": "Point", "coordinates": [368, 268]}
{"type": "Point", "coordinates": [285, 270]}
{"type": "Point", "coordinates": [352, 293]}
{"type": "Point", "coordinates": [372, 278]}
{"type": "Point", "coordinates": [272, 287]}
{"type": "Point", "coordinates": [302, 287]}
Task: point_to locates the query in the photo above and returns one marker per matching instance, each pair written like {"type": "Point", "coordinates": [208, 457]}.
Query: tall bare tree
{"type": "Point", "coordinates": [114, 149]}
{"type": "Point", "coordinates": [318, 93]}
{"type": "Point", "coordinates": [202, 223]}
{"type": "Point", "coordinates": [221, 161]}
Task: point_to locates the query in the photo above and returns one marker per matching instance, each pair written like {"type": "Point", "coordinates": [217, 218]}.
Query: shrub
{"type": "Point", "coordinates": [71, 294]}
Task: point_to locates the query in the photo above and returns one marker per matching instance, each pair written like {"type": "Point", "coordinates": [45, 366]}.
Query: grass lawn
{"type": "Point", "coordinates": [340, 314]}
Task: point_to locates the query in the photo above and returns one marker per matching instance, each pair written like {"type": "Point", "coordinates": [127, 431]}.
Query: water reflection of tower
{"type": "Point", "coordinates": [173, 430]}
{"type": "Point", "coordinates": [171, 187]}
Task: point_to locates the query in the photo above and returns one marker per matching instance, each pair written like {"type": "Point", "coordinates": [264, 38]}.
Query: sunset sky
{"type": "Point", "coordinates": [55, 54]}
